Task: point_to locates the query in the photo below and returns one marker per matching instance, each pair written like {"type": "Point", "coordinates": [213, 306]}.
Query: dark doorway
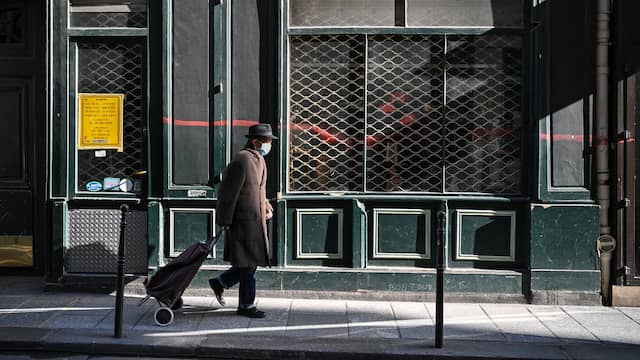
{"type": "Point", "coordinates": [626, 107]}
{"type": "Point", "coordinates": [22, 136]}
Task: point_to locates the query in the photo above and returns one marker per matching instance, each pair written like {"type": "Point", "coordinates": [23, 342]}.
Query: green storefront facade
{"type": "Point", "coordinates": [387, 112]}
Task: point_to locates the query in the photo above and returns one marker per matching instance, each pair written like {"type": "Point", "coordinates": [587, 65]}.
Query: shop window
{"type": "Point", "coordinates": [189, 123]}
{"type": "Point", "coordinates": [112, 68]}
{"type": "Point", "coordinates": [108, 13]}
{"type": "Point", "coordinates": [438, 113]}
{"type": "Point", "coordinates": [326, 98]}
{"type": "Point", "coordinates": [405, 107]}
{"type": "Point", "coordinates": [483, 120]}
{"type": "Point", "coordinates": [570, 92]}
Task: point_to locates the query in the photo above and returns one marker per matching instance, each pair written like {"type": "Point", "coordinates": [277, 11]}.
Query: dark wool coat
{"type": "Point", "coordinates": [242, 204]}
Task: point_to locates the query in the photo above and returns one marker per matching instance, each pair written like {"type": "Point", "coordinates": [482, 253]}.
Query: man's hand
{"type": "Point", "coordinates": [268, 212]}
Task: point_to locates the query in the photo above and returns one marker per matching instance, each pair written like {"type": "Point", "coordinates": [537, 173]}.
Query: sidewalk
{"type": "Point", "coordinates": [31, 319]}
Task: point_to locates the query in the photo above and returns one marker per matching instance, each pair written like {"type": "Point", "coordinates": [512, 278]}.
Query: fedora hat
{"type": "Point", "coordinates": [260, 131]}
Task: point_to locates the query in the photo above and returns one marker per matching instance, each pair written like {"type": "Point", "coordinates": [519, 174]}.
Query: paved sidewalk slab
{"type": "Point", "coordinates": [563, 326]}
{"type": "Point", "coordinates": [606, 324]}
{"type": "Point", "coordinates": [517, 323]}
{"type": "Point", "coordinates": [315, 329]}
{"type": "Point", "coordinates": [413, 320]}
{"type": "Point", "coordinates": [372, 319]}
{"type": "Point", "coordinates": [319, 318]}
{"type": "Point", "coordinates": [467, 321]}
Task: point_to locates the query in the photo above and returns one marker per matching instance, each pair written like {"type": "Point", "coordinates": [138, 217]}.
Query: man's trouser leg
{"type": "Point", "coordinates": [247, 292]}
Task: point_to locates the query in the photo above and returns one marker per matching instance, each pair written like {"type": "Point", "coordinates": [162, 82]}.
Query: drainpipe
{"type": "Point", "coordinates": [606, 243]}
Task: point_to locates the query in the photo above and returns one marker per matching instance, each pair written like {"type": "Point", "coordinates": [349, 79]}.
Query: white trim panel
{"type": "Point", "coordinates": [460, 213]}
{"type": "Point", "coordinates": [323, 211]}
{"type": "Point", "coordinates": [212, 213]}
{"type": "Point", "coordinates": [427, 238]}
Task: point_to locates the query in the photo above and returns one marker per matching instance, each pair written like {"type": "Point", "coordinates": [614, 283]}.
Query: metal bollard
{"type": "Point", "coordinates": [120, 276]}
{"type": "Point", "coordinates": [441, 215]}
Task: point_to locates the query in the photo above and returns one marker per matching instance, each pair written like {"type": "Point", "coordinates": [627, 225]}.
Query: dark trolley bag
{"type": "Point", "coordinates": [169, 283]}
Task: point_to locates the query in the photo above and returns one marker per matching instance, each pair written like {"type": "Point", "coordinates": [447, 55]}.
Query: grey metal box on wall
{"type": "Point", "coordinates": [92, 241]}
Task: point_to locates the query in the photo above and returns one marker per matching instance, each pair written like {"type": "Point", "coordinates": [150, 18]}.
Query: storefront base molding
{"type": "Point", "coordinates": [482, 286]}
{"type": "Point", "coordinates": [563, 297]}
{"type": "Point", "coordinates": [565, 280]}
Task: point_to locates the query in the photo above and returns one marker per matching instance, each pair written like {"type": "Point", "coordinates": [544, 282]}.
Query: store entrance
{"type": "Point", "coordinates": [22, 135]}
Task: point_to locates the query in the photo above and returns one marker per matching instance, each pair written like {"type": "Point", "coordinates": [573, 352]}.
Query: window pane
{"type": "Point", "coordinates": [464, 13]}
{"type": "Point", "coordinates": [326, 113]}
{"type": "Point", "coordinates": [108, 13]}
{"type": "Point", "coordinates": [247, 63]}
{"type": "Point", "coordinates": [190, 96]}
{"type": "Point", "coordinates": [567, 145]}
{"type": "Point", "coordinates": [570, 69]}
{"type": "Point", "coordinates": [115, 68]}
{"type": "Point", "coordinates": [404, 125]}
{"type": "Point", "coordinates": [483, 82]}
{"type": "Point", "coordinates": [342, 12]}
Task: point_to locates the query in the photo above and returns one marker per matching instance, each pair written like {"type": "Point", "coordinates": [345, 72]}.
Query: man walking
{"type": "Point", "coordinates": [243, 208]}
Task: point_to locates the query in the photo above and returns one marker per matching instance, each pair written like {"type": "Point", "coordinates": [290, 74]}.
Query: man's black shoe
{"type": "Point", "coordinates": [252, 312]}
{"type": "Point", "coordinates": [218, 290]}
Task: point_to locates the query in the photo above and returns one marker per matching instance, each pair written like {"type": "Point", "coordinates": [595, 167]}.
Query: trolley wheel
{"type": "Point", "coordinates": [163, 316]}
{"type": "Point", "coordinates": [178, 304]}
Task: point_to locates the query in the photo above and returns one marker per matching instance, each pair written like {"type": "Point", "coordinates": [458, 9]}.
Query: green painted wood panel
{"type": "Point", "coordinates": [483, 235]}
{"type": "Point", "coordinates": [320, 233]}
{"type": "Point", "coordinates": [351, 281]}
{"type": "Point", "coordinates": [155, 226]}
{"type": "Point", "coordinates": [190, 227]}
{"type": "Point", "coordinates": [401, 233]}
{"type": "Point", "coordinates": [566, 280]}
{"type": "Point", "coordinates": [564, 237]}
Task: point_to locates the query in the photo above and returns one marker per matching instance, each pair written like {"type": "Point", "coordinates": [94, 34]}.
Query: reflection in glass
{"type": "Point", "coordinates": [108, 13]}
{"type": "Point", "coordinates": [342, 13]}
{"type": "Point", "coordinates": [464, 13]}
{"type": "Point", "coordinates": [567, 145]}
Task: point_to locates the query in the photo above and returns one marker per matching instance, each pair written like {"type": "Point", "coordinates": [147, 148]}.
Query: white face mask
{"type": "Point", "coordinates": [264, 149]}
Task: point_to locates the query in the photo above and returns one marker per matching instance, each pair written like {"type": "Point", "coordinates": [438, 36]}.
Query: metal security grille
{"type": "Point", "coordinates": [326, 113]}
{"type": "Point", "coordinates": [438, 118]}
{"type": "Point", "coordinates": [483, 112]}
{"type": "Point", "coordinates": [93, 237]}
{"type": "Point", "coordinates": [404, 124]}
{"type": "Point", "coordinates": [115, 68]}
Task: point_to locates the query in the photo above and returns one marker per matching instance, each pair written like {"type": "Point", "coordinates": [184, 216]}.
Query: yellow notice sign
{"type": "Point", "coordinates": [100, 121]}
